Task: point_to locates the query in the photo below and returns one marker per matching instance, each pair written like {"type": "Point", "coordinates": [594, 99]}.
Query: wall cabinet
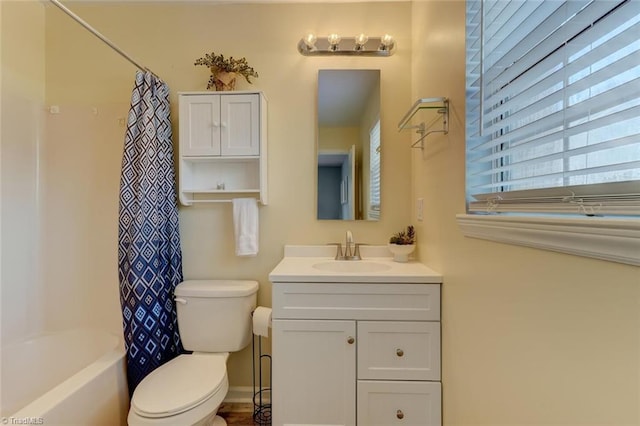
{"type": "Point", "coordinates": [223, 146]}
{"type": "Point", "coordinates": [356, 354]}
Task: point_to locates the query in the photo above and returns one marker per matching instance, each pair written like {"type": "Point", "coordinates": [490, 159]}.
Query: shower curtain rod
{"type": "Point", "coordinates": [95, 32]}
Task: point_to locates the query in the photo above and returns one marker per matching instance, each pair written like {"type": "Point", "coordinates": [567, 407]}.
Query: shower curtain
{"type": "Point", "coordinates": [149, 256]}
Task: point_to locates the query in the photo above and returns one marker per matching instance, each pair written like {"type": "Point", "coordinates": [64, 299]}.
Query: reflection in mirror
{"type": "Point", "coordinates": [348, 144]}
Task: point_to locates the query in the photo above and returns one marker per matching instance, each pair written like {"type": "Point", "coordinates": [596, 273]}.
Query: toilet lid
{"type": "Point", "coordinates": [179, 385]}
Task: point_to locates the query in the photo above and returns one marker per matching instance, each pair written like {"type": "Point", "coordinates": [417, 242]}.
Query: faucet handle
{"type": "Point", "coordinates": [339, 255]}
{"type": "Point", "coordinates": [356, 253]}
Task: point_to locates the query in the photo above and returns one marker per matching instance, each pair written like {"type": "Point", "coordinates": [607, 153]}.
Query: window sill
{"type": "Point", "coordinates": [616, 240]}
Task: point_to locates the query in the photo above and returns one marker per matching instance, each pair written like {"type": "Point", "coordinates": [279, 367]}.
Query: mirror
{"type": "Point", "coordinates": [348, 146]}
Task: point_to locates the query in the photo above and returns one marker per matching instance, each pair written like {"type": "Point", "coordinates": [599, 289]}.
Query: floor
{"type": "Point", "coordinates": [237, 414]}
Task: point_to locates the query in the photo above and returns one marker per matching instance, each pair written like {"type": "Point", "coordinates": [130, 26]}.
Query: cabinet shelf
{"type": "Point", "coordinates": [221, 191]}
{"type": "Point", "coordinates": [439, 105]}
{"type": "Point", "coordinates": [213, 158]}
{"type": "Point", "coordinates": [201, 196]}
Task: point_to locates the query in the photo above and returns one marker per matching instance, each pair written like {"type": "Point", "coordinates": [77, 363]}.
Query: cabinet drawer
{"type": "Point", "coordinates": [399, 403]}
{"type": "Point", "coordinates": [357, 301]}
{"type": "Point", "coordinates": [391, 350]}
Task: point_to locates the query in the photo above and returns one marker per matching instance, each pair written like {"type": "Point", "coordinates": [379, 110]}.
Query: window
{"type": "Point", "coordinates": [374, 172]}
{"type": "Point", "coordinates": [553, 125]}
{"type": "Point", "coordinates": [553, 106]}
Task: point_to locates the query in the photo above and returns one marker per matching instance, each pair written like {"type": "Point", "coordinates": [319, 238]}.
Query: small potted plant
{"type": "Point", "coordinates": [402, 243]}
{"type": "Point", "coordinates": [224, 71]}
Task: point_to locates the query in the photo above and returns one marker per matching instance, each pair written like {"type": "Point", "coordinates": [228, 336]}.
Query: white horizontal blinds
{"type": "Point", "coordinates": [473, 71]}
{"type": "Point", "coordinates": [374, 172]}
{"type": "Point", "coordinates": [560, 102]}
{"type": "Point", "coordinates": [619, 198]}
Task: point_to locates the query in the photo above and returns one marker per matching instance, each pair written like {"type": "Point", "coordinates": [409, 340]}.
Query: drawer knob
{"type": "Point", "coordinates": [400, 414]}
{"type": "Point", "coordinates": [350, 340]}
{"type": "Point", "coordinates": [399, 352]}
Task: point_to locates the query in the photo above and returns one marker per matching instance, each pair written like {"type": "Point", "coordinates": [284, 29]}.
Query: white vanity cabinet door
{"type": "Point", "coordinates": [240, 125]}
{"type": "Point", "coordinates": [387, 403]}
{"type": "Point", "coordinates": [399, 350]}
{"type": "Point", "coordinates": [199, 125]}
{"type": "Point", "coordinates": [314, 372]}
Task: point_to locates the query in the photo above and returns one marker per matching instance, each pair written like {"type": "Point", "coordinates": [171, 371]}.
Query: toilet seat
{"type": "Point", "coordinates": [180, 385]}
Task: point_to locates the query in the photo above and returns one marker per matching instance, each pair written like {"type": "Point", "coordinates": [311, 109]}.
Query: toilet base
{"type": "Point", "coordinates": [218, 421]}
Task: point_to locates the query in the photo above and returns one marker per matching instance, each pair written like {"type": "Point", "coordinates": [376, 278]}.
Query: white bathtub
{"type": "Point", "coordinates": [76, 377]}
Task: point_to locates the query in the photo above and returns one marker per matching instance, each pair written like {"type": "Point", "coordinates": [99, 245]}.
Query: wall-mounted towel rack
{"type": "Point", "coordinates": [189, 198]}
{"type": "Point", "coordinates": [439, 105]}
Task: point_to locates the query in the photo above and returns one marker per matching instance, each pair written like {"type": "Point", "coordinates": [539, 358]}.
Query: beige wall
{"type": "Point", "coordinates": [529, 336]}
{"type": "Point", "coordinates": [22, 87]}
{"type": "Point", "coordinates": [338, 139]}
{"type": "Point", "coordinates": [84, 153]}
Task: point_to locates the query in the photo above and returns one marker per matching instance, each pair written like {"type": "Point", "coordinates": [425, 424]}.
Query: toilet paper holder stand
{"type": "Point", "coordinates": [261, 393]}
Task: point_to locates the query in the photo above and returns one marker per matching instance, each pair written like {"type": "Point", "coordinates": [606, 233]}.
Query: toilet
{"type": "Point", "coordinates": [214, 318]}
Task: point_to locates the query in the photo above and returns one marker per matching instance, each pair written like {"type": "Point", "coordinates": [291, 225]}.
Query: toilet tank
{"type": "Point", "coordinates": [215, 315]}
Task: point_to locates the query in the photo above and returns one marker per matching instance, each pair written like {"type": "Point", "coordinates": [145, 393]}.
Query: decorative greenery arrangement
{"type": "Point", "coordinates": [404, 238]}
{"type": "Point", "coordinates": [224, 70]}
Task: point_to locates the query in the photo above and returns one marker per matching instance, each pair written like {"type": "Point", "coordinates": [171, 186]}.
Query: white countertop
{"type": "Point", "coordinates": [298, 266]}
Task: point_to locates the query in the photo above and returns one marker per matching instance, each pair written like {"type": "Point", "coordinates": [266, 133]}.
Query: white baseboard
{"type": "Point", "coordinates": [243, 395]}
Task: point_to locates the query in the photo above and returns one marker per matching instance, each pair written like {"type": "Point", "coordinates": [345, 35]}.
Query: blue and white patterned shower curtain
{"type": "Point", "coordinates": [149, 256]}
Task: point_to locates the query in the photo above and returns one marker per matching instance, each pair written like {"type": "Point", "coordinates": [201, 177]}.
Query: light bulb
{"type": "Point", "coordinates": [386, 42]}
{"type": "Point", "coordinates": [334, 40]}
{"type": "Point", "coordinates": [310, 40]}
{"type": "Point", "coordinates": [361, 40]}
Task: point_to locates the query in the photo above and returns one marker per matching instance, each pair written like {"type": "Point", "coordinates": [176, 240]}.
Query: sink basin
{"type": "Point", "coordinates": [351, 266]}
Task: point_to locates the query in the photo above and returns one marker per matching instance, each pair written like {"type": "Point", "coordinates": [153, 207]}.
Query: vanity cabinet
{"type": "Point", "coordinates": [222, 149]}
{"type": "Point", "coordinates": [356, 354]}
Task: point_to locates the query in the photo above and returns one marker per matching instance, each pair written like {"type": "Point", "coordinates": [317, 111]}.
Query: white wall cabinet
{"type": "Point", "coordinates": [359, 360]}
{"type": "Point", "coordinates": [223, 146]}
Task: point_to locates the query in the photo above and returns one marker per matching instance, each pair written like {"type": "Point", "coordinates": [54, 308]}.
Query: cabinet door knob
{"type": "Point", "coordinates": [350, 340]}
{"type": "Point", "coordinates": [399, 352]}
{"type": "Point", "coordinates": [216, 124]}
{"type": "Point", "coordinates": [400, 414]}
{"type": "Point", "coordinates": [224, 124]}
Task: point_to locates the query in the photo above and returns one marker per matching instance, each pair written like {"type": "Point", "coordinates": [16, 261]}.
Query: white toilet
{"type": "Point", "coordinates": [214, 318]}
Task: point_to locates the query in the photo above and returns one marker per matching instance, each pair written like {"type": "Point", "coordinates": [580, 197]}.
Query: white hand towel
{"type": "Point", "coordinates": [245, 225]}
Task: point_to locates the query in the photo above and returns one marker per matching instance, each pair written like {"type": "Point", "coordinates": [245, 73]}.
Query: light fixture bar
{"type": "Point", "coordinates": [348, 46]}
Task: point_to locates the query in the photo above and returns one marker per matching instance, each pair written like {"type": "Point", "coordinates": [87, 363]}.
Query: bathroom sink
{"type": "Point", "coordinates": [351, 266]}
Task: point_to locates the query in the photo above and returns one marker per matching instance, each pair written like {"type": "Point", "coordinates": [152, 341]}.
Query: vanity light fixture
{"type": "Point", "coordinates": [334, 44]}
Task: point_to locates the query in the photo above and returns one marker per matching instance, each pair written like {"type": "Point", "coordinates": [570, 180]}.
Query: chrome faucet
{"type": "Point", "coordinates": [351, 249]}
{"type": "Point", "coordinates": [348, 242]}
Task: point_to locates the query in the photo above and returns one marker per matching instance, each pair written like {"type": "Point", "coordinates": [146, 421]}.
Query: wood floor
{"type": "Point", "coordinates": [238, 414]}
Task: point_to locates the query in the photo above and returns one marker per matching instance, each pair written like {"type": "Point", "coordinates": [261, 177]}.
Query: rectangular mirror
{"type": "Point", "coordinates": [348, 146]}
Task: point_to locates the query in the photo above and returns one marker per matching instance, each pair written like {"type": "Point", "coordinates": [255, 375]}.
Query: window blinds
{"type": "Point", "coordinates": [553, 106]}
{"type": "Point", "coordinates": [374, 171]}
